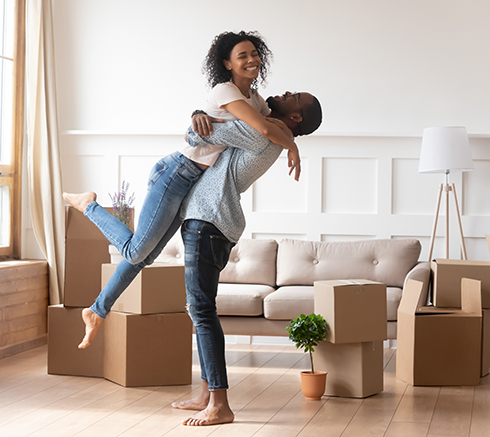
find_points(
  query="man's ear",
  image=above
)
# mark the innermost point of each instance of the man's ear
(296, 117)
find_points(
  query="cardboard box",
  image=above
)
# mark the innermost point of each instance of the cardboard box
(447, 275)
(86, 250)
(355, 310)
(437, 346)
(354, 369)
(158, 288)
(65, 332)
(148, 350)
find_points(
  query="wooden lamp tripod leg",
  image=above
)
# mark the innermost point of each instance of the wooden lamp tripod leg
(463, 247)
(434, 226)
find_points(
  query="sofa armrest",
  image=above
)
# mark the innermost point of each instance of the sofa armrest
(421, 272)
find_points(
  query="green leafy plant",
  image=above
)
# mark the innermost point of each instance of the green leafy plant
(307, 332)
(122, 204)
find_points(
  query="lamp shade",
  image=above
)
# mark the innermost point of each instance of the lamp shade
(445, 149)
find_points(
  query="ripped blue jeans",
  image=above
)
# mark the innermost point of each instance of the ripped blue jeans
(170, 180)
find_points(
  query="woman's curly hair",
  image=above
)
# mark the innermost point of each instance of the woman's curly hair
(220, 49)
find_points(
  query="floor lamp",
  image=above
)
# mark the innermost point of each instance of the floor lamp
(445, 150)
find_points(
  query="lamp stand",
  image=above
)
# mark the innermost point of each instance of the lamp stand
(447, 188)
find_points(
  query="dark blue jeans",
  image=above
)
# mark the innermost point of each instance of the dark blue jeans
(206, 253)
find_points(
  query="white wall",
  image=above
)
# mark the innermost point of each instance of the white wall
(128, 75)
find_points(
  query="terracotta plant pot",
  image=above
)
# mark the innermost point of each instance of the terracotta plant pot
(313, 384)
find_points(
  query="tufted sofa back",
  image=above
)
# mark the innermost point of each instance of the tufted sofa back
(386, 261)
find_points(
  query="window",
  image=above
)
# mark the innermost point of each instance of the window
(12, 53)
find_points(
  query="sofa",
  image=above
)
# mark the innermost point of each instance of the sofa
(265, 283)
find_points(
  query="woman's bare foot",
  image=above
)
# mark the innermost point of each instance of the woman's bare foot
(216, 413)
(198, 403)
(80, 201)
(92, 324)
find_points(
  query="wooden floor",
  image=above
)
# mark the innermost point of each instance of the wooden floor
(265, 395)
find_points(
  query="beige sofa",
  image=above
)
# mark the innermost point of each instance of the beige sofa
(265, 284)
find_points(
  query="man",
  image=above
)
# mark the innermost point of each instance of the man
(213, 223)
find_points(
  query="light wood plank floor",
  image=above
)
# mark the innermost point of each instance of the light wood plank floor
(265, 395)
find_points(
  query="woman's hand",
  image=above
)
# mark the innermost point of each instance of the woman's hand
(282, 125)
(294, 163)
(203, 124)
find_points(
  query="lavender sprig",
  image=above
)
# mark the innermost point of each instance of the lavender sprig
(121, 206)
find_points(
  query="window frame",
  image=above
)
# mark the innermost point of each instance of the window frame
(11, 174)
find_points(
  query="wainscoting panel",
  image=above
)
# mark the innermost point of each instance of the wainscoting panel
(276, 191)
(349, 186)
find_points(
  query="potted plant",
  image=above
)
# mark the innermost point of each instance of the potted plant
(306, 332)
(122, 209)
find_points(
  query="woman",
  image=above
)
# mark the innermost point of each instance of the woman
(233, 66)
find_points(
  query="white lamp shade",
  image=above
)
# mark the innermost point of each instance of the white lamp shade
(445, 149)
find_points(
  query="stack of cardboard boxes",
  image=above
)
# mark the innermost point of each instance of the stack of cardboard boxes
(146, 339)
(352, 355)
(447, 343)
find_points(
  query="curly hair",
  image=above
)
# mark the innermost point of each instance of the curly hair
(221, 48)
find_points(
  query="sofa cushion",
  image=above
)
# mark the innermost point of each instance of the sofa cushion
(393, 298)
(251, 262)
(173, 252)
(241, 299)
(387, 261)
(288, 302)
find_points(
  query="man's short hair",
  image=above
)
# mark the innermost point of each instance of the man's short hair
(312, 118)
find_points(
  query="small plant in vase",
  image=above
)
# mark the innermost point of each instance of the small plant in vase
(122, 209)
(306, 332)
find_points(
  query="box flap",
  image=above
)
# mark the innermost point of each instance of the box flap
(411, 297)
(471, 296)
(457, 262)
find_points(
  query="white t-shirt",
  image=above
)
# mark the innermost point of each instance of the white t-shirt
(221, 95)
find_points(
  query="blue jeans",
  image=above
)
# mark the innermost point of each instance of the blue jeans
(206, 253)
(170, 180)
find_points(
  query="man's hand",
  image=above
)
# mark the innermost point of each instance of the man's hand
(294, 163)
(203, 124)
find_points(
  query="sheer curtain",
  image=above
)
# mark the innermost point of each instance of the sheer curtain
(44, 168)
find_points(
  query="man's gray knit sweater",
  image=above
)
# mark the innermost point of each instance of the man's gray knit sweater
(216, 196)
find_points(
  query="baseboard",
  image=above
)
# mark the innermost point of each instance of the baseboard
(21, 347)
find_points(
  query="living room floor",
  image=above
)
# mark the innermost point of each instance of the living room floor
(265, 394)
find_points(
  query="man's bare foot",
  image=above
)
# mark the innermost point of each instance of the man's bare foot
(217, 411)
(92, 324)
(80, 201)
(210, 416)
(198, 403)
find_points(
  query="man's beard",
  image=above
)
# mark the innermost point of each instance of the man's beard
(274, 105)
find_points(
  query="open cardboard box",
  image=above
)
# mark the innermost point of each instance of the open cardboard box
(354, 369)
(158, 288)
(440, 346)
(355, 309)
(446, 283)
